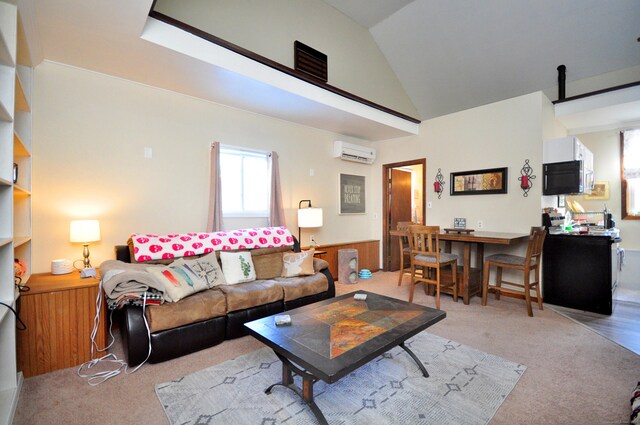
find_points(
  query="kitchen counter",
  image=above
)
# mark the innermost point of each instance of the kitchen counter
(580, 271)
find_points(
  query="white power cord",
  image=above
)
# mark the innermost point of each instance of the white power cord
(98, 378)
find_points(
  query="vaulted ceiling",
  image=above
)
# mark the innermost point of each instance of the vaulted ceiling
(457, 54)
(448, 55)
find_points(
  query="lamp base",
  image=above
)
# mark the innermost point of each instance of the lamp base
(85, 253)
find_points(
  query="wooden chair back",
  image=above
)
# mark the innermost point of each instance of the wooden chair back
(424, 240)
(534, 247)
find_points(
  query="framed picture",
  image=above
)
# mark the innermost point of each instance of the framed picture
(352, 194)
(479, 182)
(600, 191)
(459, 223)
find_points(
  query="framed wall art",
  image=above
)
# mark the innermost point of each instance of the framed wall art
(352, 194)
(479, 182)
(600, 191)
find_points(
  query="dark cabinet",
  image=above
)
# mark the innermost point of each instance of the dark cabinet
(579, 272)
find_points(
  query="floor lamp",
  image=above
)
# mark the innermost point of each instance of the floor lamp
(308, 217)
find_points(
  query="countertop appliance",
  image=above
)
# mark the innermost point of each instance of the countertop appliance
(567, 167)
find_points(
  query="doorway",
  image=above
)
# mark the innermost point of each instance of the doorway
(403, 200)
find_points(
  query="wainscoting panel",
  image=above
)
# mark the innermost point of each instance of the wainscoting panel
(368, 255)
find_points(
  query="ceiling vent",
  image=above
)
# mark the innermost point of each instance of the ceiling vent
(310, 61)
(356, 153)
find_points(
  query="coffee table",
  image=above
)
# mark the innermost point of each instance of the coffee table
(329, 339)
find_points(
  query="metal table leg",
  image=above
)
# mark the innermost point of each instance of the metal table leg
(415, 359)
(306, 394)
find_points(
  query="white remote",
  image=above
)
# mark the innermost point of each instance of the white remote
(360, 297)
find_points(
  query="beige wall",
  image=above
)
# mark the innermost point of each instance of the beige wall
(269, 28)
(605, 146)
(89, 135)
(501, 134)
(90, 131)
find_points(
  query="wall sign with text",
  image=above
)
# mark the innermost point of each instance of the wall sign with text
(352, 194)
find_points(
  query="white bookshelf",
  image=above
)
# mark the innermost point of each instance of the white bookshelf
(15, 197)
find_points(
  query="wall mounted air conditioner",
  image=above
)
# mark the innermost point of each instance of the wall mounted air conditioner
(351, 152)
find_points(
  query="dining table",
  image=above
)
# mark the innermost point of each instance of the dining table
(470, 278)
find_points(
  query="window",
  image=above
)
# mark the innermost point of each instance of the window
(245, 182)
(630, 166)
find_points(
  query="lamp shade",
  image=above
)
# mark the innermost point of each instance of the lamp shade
(84, 231)
(310, 217)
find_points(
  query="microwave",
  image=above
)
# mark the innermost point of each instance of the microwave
(563, 178)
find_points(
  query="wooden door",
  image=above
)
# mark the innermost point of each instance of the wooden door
(399, 210)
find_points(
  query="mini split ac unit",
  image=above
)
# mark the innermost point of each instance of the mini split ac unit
(351, 152)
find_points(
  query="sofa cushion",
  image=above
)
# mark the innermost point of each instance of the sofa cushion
(195, 308)
(267, 266)
(237, 267)
(207, 269)
(297, 263)
(179, 281)
(251, 294)
(302, 286)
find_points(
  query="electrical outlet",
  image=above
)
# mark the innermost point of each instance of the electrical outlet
(480, 224)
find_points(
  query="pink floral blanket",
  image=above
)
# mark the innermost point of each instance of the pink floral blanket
(152, 247)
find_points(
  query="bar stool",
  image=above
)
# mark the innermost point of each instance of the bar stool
(527, 264)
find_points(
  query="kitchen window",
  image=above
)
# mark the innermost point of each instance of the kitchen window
(630, 170)
(245, 183)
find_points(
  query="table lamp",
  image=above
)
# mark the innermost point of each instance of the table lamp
(308, 217)
(85, 231)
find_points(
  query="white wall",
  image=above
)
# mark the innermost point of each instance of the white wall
(89, 135)
(269, 28)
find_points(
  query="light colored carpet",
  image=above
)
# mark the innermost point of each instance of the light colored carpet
(465, 387)
(574, 376)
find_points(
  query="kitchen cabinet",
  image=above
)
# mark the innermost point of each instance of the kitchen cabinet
(580, 272)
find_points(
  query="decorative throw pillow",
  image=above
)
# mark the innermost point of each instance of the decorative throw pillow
(297, 263)
(179, 281)
(237, 267)
(267, 266)
(206, 268)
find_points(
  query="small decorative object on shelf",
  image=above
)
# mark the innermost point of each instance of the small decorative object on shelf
(19, 268)
(526, 177)
(438, 185)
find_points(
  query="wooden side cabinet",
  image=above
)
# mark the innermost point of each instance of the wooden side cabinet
(59, 312)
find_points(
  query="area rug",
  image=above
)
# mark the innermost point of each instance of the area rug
(466, 386)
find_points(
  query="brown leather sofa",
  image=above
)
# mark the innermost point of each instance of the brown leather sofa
(207, 318)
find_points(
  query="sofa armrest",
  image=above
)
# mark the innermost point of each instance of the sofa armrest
(331, 290)
(135, 338)
(319, 264)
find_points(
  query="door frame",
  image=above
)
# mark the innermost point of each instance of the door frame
(385, 201)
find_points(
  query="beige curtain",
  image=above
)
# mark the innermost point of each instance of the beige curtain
(214, 222)
(276, 210)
